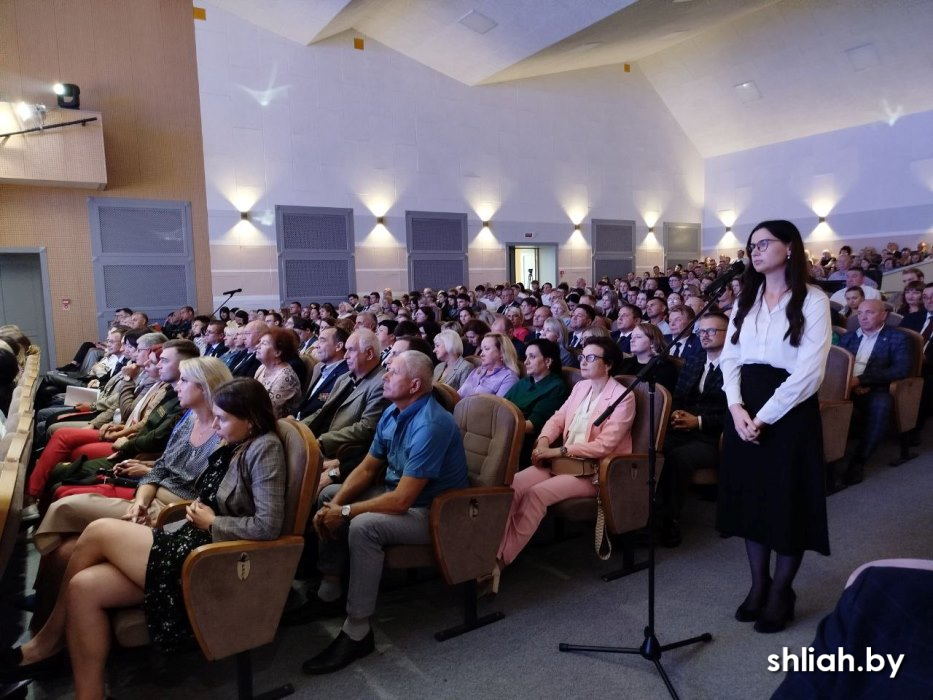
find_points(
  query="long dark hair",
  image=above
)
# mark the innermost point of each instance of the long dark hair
(796, 273)
(246, 398)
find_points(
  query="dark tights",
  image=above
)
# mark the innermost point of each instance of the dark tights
(766, 591)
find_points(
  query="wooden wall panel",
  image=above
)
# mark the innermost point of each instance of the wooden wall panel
(136, 64)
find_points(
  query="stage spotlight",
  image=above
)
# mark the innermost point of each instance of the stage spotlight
(69, 95)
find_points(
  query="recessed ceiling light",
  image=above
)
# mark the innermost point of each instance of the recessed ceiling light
(748, 91)
(478, 22)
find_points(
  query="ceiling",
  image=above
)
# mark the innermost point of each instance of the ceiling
(736, 74)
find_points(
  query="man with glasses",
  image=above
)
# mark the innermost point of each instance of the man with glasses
(692, 440)
(214, 339)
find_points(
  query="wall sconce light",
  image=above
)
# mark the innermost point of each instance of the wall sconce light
(651, 229)
(69, 95)
(822, 219)
(576, 227)
(728, 229)
(244, 216)
(381, 220)
(485, 224)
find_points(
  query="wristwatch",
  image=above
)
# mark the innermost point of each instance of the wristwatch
(563, 450)
(334, 475)
(345, 513)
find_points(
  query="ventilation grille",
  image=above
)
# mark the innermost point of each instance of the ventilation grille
(436, 273)
(437, 234)
(145, 286)
(613, 236)
(304, 231)
(612, 268)
(317, 279)
(681, 239)
(137, 230)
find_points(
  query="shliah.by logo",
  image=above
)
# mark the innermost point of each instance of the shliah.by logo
(809, 660)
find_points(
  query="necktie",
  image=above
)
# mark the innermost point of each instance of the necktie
(677, 345)
(927, 329)
(709, 369)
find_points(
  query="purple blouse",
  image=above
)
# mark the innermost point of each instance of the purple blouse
(480, 381)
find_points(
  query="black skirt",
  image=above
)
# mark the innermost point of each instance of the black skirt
(775, 492)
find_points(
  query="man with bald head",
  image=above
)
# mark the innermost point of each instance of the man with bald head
(417, 446)
(247, 365)
(882, 355)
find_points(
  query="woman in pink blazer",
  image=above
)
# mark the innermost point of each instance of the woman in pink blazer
(570, 432)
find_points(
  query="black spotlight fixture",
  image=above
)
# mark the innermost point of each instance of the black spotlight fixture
(69, 95)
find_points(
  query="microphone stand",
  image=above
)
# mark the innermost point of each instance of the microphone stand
(652, 649)
(224, 302)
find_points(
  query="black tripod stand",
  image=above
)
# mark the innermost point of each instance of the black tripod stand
(652, 649)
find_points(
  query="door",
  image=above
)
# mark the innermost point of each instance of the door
(22, 298)
(532, 262)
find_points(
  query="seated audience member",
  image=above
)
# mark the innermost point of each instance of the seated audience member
(247, 364)
(54, 384)
(645, 342)
(277, 346)
(690, 345)
(855, 277)
(854, 297)
(503, 326)
(912, 299)
(885, 607)
(348, 417)
(307, 336)
(922, 323)
(473, 333)
(146, 429)
(9, 372)
(540, 315)
(385, 332)
(581, 318)
(428, 331)
(138, 320)
(272, 319)
(329, 351)
(417, 446)
(451, 369)
(178, 323)
(656, 309)
(214, 339)
(515, 315)
(699, 408)
(498, 370)
(725, 300)
(570, 432)
(555, 331)
(539, 393)
(628, 317)
(882, 354)
(118, 564)
(235, 340)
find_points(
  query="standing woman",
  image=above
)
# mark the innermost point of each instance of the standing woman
(771, 479)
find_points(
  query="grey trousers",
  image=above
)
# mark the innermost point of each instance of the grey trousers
(362, 543)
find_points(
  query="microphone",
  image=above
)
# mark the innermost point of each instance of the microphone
(720, 283)
(233, 291)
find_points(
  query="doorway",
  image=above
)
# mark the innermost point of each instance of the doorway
(532, 262)
(23, 298)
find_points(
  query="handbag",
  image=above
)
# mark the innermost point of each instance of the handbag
(574, 466)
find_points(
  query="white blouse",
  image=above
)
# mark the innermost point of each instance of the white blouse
(762, 341)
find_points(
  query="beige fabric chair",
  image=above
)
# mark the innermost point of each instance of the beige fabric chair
(835, 403)
(623, 480)
(235, 591)
(446, 395)
(571, 376)
(907, 394)
(309, 363)
(467, 525)
(473, 360)
(12, 480)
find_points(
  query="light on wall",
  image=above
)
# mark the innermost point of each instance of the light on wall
(728, 229)
(822, 219)
(69, 95)
(381, 220)
(576, 227)
(651, 229)
(244, 216)
(486, 224)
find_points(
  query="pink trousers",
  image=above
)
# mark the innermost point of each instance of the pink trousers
(64, 446)
(536, 489)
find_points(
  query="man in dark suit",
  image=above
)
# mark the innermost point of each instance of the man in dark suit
(692, 440)
(214, 339)
(331, 365)
(247, 365)
(882, 355)
(629, 317)
(689, 345)
(922, 322)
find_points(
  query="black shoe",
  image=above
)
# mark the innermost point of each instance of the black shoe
(747, 612)
(341, 652)
(314, 609)
(770, 622)
(670, 534)
(834, 484)
(855, 474)
(13, 669)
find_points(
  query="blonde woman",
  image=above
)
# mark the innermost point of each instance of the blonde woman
(499, 370)
(452, 369)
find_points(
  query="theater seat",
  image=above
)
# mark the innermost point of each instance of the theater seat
(835, 403)
(907, 394)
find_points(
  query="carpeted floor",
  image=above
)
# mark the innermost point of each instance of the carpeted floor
(553, 594)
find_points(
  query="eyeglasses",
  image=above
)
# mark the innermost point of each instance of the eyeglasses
(591, 358)
(710, 331)
(761, 245)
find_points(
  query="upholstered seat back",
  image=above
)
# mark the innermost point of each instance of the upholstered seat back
(488, 425)
(839, 364)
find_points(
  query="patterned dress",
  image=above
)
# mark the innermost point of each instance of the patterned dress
(164, 603)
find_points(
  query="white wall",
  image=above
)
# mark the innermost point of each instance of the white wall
(327, 125)
(873, 184)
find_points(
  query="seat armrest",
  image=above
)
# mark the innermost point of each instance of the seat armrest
(172, 513)
(235, 592)
(467, 526)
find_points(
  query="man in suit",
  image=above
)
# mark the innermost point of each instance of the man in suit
(247, 365)
(629, 317)
(307, 335)
(581, 318)
(882, 355)
(330, 350)
(692, 440)
(689, 345)
(922, 322)
(349, 415)
(856, 278)
(540, 315)
(214, 339)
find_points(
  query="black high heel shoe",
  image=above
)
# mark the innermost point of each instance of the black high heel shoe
(746, 613)
(768, 624)
(12, 667)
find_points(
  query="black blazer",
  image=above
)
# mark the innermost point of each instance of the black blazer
(215, 351)
(692, 346)
(314, 401)
(667, 373)
(709, 404)
(247, 366)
